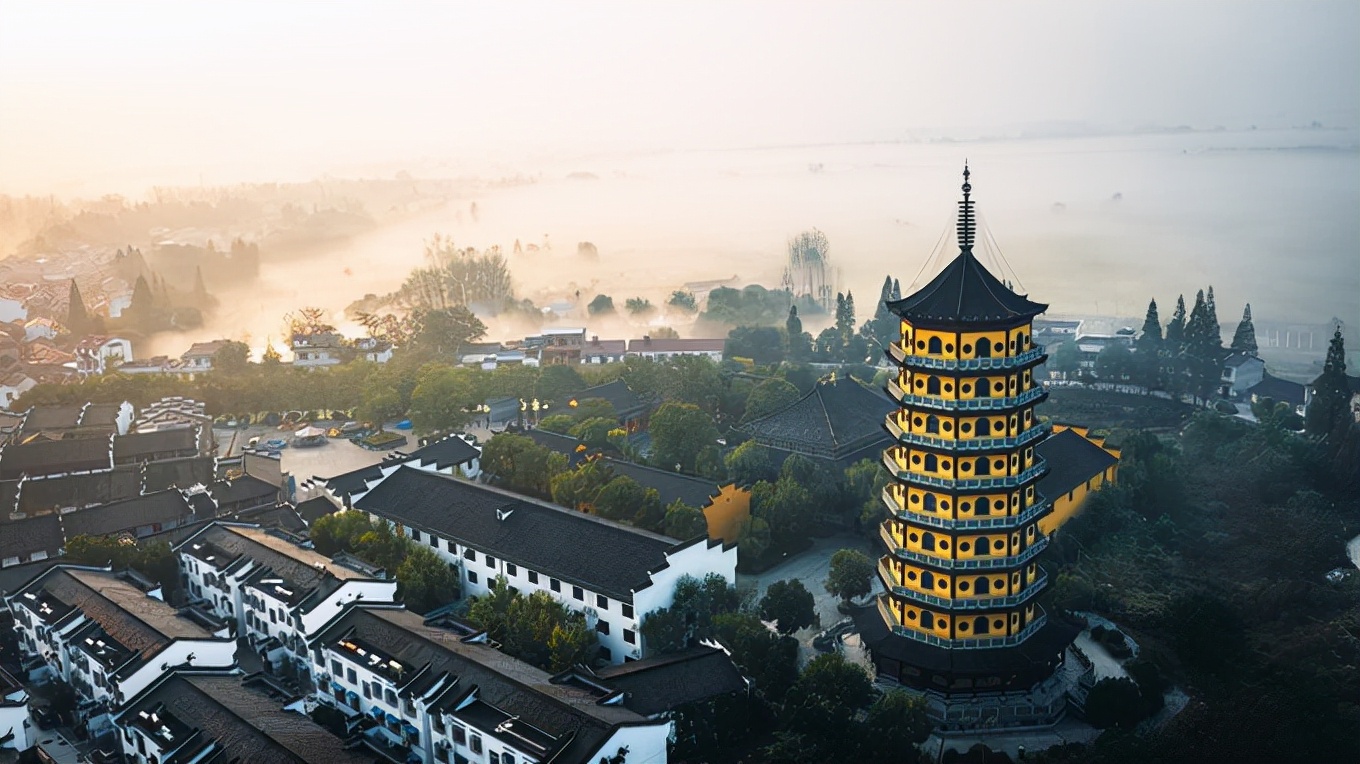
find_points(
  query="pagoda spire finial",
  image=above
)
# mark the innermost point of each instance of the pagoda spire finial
(967, 222)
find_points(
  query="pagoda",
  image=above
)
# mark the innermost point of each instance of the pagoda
(960, 619)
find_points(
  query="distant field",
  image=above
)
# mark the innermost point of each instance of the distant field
(1099, 409)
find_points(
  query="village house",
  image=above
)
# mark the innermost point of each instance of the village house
(41, 328)
(99, 354)
(319, 349)
(199, 357)
(373, 350)
(1240, 373)
(597, 350)
(660, 349)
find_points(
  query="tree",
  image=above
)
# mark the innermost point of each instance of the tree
(751, 463)
(768, 397)
(1114, 703)
(580, 488)
(788, 508)
(894, 726)
(789, 605)
(620, 498)
(438, 333)
(558, 381)
(339, 531)
(602, 305)
(442, 399)
(709, 464)
(558, 423)
(639, 306)
(381, 404)
(425, 581)
(1115, 363)
(1067, 357)
(825, 700)
(1331, 399)
(764, 345)
(536, 629)
(1244, 339)
(884, 328)
(679, 432)
(521, 465)
(798, 342)
(684, 522)
(78, 321)
(232, 358)
(594, 432)
(1175, 330)
(683, 301)
(1213, 328)
(851, 574)
(769, 660)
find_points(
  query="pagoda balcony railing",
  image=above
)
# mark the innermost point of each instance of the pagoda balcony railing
(988, 562)
(1033, 434)
(974, 523)
(966, 404)
(963, 644)
(985, 483)
(898, 354)
(985, 602)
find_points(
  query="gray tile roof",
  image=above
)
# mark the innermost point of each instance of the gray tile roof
(1072, 460)
(447, 452)
(48, 457)
(247, 726)
(965, 291)
(664, 683)
(21, 538)
(163, 508)
(833, 421)
(671, 486)
(603, 556)
(145, 445)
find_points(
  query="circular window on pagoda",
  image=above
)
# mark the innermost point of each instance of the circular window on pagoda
(948, 387)
(998, 426)
(949, 347)
(999, 504)
(964, 546)
(965, 505)
(963, 626)
(918, 421)
(911, 575)
(966, 388)
(920, 345)
(915, 498)
(966, 428)
(920, 383)
(998, 387)
(947, 425)
(944, 464)
(967, 349)
(941, 584)
(944, 544)
(999, 347)
(998, 624)
(914, 538)
(996, 544)
(911, 615)
(945, 505)
(916, 459)
(966, 467)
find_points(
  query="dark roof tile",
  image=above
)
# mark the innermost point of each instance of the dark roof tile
(1072, 460)
(965, 291)
(835, 420)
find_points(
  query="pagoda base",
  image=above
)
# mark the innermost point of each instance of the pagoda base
(1019, 686)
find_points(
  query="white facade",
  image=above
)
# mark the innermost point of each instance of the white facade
(12, 310)
(101, 357)
(616, 621)
(13, 386)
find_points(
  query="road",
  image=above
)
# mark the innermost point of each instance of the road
(811, 568)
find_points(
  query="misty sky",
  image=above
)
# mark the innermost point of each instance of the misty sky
(103, 93)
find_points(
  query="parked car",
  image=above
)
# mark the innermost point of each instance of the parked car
(276, 444)
(350, 428)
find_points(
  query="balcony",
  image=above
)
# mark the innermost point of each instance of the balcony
(1032, 435)
(978, 523)
(964, 603)
(962, 644)
(969, 404)
(904, 358)
(965, 484)
(989, 562)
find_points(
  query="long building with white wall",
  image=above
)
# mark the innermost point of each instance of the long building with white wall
(615, 574)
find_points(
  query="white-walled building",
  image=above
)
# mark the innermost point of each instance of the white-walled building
(661, 349)
(614, 574)
(319, 349)
(373, 350)
(276, 593)
(439, 698)
(20, 733)
(107, 638)
(97, 355)
(453, 455)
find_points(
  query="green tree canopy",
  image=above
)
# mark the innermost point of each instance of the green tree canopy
(1244, 339)
(601, 305)
(679, 432)
(1330, 404)
(789, 605)
(851, 574)
(768, 397)
(536, 629)
(424, 581)
(751, 463)
(684, 522)
(683, 301)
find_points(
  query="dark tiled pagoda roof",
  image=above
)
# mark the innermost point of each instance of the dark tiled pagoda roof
(965, 291)
(181, 473)
(75, 491)
(230, 722)
(837, 420)
(606, 557)
(1072, 460)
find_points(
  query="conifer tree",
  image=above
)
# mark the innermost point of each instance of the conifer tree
(1215, 330)
(200, 290)
(1175, 331)
(897, 290)
(77, 319)
(1244, 339)
(143, 301)
(1148, 361)
(849, 330)
(799, 347)
(1331, 391)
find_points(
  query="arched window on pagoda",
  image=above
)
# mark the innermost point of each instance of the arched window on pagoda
(984, 388)
(934, 347)
(928, 542)
(983, 585)
(932, 462)
(927, 619)
(930, 502)
(928, 581)
(984, 348)
(982, 624)
(933, 386)
(984, 466)
(932, 421)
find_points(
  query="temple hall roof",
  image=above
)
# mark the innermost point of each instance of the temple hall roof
(837, 419)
